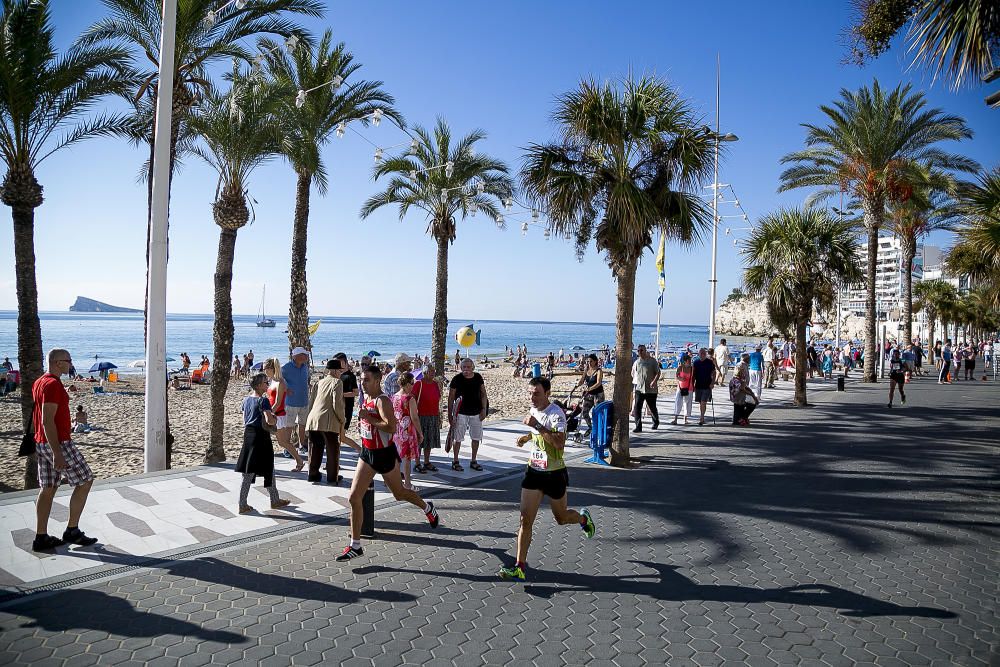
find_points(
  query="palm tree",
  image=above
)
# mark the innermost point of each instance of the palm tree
(203, 38)
(332, 103)
(911, 221)
(46, 100)
(958, 38)
(931, 296)
(977, 252)
(796, 258)
(239, 132)
(631, 155)
(447, 181)
(873, 149)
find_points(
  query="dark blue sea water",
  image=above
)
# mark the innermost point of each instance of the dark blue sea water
(117, 337)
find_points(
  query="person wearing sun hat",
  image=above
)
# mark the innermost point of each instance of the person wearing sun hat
(403, 364)
(296, 376)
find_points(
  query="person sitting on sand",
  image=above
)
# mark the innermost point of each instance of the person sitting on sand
(80, 424)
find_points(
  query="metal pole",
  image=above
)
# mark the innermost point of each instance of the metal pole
(156, 289)
(715, 207)
(656, 348)
(840, 287)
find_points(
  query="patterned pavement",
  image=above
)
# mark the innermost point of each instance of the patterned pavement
(841, 534)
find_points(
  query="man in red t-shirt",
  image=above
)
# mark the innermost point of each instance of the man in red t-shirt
(58, 458)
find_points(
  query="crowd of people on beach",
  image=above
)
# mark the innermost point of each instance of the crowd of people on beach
(402, 408)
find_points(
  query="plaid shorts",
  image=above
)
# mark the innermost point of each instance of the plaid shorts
(77, 471)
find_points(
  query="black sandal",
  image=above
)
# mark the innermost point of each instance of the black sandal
(430, 467)
(420, 468)
(475, 466)
(457, 466)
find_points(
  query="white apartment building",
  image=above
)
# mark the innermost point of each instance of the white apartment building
(888, 280)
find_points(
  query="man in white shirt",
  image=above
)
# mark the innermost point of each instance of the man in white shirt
(722, 359)
(769, 372)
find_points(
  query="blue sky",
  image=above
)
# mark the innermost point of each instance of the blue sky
(498, 67)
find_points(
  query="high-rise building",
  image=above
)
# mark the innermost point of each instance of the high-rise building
(888, 281)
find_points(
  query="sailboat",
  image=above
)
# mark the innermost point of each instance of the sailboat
(263, 321)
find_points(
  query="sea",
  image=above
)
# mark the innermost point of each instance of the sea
(118, 338)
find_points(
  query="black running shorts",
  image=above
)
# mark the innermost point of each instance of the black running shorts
(552, 484)
(382, 460)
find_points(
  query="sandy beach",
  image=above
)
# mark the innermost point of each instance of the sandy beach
(115, 445)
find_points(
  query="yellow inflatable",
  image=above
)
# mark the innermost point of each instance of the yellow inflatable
(467, 336)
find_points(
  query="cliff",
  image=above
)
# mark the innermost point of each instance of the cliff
(85, 305)
(744, 316)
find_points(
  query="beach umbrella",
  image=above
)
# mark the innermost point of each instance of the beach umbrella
(258, 366)
(578, 347)
(138, 363)
(373, 353)
(101, 366)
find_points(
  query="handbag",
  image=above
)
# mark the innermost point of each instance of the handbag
(28, 446)
(685, 391)
(270, 428)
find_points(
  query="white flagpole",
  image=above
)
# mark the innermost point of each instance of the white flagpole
(156, 329)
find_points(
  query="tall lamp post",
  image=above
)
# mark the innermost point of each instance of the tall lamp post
(840, 288)
(156, 290)
(719, 138)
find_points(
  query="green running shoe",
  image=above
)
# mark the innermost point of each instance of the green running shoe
(512, 573)
(589, 528)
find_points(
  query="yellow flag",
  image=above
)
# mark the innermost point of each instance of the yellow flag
(314, 326)
(659, 265)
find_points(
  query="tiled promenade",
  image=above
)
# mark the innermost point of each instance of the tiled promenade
(840, 534)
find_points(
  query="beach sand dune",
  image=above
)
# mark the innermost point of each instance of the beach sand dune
(115, 447)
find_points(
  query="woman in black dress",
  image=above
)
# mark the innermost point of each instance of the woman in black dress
(257, 455)
(593, 387)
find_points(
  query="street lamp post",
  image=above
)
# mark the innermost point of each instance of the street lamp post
(719, 138)
(840, 287)
(155, 446)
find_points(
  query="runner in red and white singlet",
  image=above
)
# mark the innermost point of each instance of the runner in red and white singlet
(377, 423)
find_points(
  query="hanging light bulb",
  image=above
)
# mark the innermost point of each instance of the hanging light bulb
(241, 4)
(508, 203)
(737, 202)
(499, 218)
(449, 169)
(444, 196)
(524, 229)
(473, 209)
(341, 129)
(534, 215)
(258, 60)
(547, 234)
(300, 99)
(728, 231)
(211, 18)
(470, 152)
(413, 147)
(481, 187)
(376, 117)
(291, 42)
(413, 174)
(337, 82)
(746, 219)
(378, 154)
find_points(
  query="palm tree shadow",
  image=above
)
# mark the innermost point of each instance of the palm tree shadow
(667, 584)
(83, 609)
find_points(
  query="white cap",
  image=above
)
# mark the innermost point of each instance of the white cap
(403, 358)
(299, 350)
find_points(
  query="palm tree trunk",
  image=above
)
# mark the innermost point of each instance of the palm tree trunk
(909, 252)
(931, 317)
(801, 356)
(298, 303)
(29, 329)
(622, 396)
(222, 332)
(871, 350)
(439, 327)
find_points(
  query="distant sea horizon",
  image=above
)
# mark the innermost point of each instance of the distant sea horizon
(90, 339)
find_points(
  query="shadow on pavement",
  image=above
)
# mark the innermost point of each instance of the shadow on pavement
(670, 585)
(215, 571)
(82, 609)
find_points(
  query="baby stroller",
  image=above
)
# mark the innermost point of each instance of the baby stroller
(573, 411)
